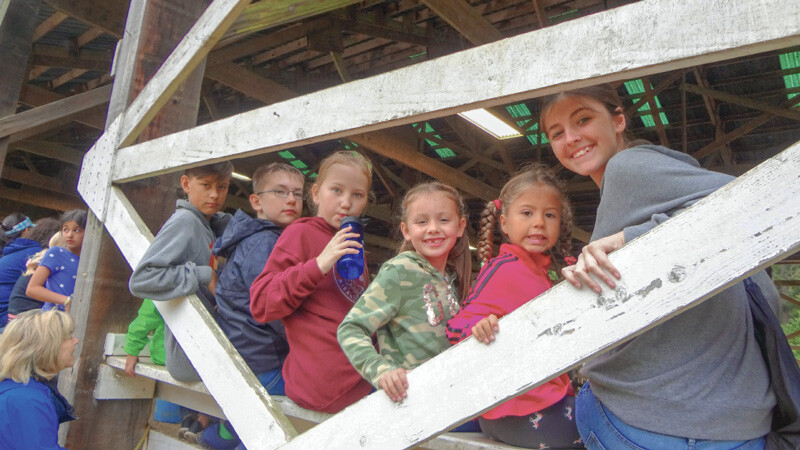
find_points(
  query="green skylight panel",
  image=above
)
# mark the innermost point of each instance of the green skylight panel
(299, 164)
(286, 154)
(443, 152)
(637, 87)
(790, 61)
(521, 110)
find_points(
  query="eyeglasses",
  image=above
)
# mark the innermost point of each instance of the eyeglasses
(283, 193)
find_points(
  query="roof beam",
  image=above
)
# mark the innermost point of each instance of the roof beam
(249, 83)
(400, 145)
(745, 128)
(34, 96)
(743, 101)
(258, 44)
(42, 198)
(389, 29)
(48, 25)
(466, 20)
(50, 150)
(108, 15)
(63, 185)
(263, 15)
(51, 112)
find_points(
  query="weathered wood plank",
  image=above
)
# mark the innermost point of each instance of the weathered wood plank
(66, 107)
(191, 50)
(465, 19)
(42, 198)
(16, 30)
(757, 224)
(263, 15)
(489, 75)
(51, 150)
(113, 384)
(249, 83)
(35, 96)
(106, 14)
(396, 145)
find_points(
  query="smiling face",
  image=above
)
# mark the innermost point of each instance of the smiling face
(72, 234)
(533, 219)
(584, 135)
(432, 226)
(206, 193)
(66, 357)
(268, 204)
(343, 192)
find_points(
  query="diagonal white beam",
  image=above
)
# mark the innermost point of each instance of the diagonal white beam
(607, 46)
(259, 421)
(192, 49)
(756, 221)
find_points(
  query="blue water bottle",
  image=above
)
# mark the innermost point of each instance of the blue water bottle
(351, 266)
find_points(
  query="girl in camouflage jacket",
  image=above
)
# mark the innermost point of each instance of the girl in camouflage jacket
(414, 294)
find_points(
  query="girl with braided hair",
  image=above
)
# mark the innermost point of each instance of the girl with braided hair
(536, 219)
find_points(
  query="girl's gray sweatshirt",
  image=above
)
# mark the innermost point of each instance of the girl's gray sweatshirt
(700, 374)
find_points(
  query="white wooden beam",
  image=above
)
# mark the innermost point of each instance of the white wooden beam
(192, 49)
(756, 219)
(680, 34)
(259, 422)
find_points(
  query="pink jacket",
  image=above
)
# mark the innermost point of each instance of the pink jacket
(505, 283)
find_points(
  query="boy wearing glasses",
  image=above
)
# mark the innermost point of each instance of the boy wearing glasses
(246, 244)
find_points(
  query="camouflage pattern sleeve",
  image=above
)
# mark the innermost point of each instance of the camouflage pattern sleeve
(372, 311)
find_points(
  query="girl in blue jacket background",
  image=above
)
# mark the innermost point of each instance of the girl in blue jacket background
(34, 348)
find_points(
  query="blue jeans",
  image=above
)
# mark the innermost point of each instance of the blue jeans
(273, 382)
(600, 430)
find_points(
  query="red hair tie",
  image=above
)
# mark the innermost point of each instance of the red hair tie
(498, 204)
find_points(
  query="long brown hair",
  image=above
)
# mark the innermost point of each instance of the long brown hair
(606, 94)
(459, 257)
(527, 177)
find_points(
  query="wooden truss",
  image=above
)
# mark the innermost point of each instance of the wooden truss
(751, 223)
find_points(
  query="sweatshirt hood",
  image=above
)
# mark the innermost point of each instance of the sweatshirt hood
(317, 222)
(217, 223)
(20, 244)
(239, 228)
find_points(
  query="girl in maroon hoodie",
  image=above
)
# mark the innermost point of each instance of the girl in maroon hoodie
(535, 217)
(299, 287)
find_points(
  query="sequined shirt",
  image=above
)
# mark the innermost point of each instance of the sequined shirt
(408, 304)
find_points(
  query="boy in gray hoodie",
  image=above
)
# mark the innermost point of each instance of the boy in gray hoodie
(178, 261)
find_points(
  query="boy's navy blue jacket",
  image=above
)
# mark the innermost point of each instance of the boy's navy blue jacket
(12, 265)
(247, 243)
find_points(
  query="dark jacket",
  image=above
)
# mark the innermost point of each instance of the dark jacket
(30, 414)
(18, 302)
(12, 265)
(246, 244)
